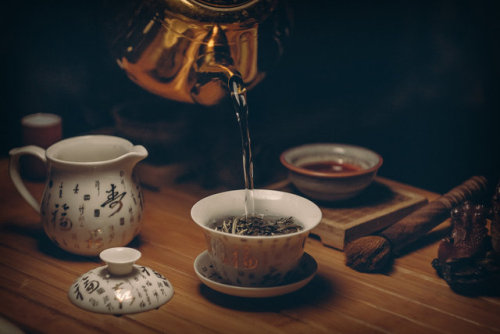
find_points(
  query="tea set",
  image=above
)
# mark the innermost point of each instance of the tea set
(93, 204)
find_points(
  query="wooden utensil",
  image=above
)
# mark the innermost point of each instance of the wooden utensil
(374, 253)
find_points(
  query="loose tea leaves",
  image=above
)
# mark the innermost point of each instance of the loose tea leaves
(257, 225)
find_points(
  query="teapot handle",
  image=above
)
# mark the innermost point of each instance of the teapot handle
(15, 175)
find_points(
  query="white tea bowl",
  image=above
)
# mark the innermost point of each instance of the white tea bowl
(255, 260)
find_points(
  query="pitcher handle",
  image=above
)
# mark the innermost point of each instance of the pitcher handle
(15, 174)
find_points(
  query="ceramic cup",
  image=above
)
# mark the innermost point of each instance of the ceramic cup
(332, 184)
(255, 260)
(43, 130)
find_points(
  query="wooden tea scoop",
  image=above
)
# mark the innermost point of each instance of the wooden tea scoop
(374, 253)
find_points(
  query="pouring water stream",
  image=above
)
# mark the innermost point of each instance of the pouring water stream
(238, 95)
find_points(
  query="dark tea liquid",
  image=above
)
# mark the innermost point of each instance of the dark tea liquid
(239, 97)
(331, 167)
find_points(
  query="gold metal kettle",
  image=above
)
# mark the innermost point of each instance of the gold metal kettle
(186, 50)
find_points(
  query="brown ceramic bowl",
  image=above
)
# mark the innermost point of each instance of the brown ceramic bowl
(330, 171)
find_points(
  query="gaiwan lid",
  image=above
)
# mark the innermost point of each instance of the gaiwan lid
(121, 286)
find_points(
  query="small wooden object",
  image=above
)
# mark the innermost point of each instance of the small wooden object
(380, 205)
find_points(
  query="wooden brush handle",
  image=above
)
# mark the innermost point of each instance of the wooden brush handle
(421, 221)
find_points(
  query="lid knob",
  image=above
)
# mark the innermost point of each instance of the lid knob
(120, 260)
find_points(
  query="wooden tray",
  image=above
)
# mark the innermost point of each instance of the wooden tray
(380, 205)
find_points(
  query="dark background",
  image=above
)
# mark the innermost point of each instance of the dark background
(416, 81)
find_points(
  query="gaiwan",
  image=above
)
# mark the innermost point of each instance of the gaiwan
(92, 198)
(260, 260)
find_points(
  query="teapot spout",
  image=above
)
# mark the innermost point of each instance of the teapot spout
(136, 154)
(214, 67)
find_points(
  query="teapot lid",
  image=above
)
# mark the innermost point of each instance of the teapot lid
(225, 4)
(120, 287)
(222, 11)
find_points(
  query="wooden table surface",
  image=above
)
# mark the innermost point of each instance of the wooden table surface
(35, 277)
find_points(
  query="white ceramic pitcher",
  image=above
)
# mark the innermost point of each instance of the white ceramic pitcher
(92, 199)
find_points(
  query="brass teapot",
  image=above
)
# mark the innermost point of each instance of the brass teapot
(186, 50)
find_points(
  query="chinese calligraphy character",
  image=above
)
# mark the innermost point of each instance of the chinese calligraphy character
(64, 222)
(114, 199)
(90, 286)
(77, 292)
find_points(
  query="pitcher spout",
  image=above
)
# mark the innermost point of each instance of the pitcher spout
(136, 154)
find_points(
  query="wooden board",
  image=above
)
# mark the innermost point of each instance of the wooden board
(383, 203)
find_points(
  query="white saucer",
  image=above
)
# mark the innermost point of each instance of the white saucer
(305, 272)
